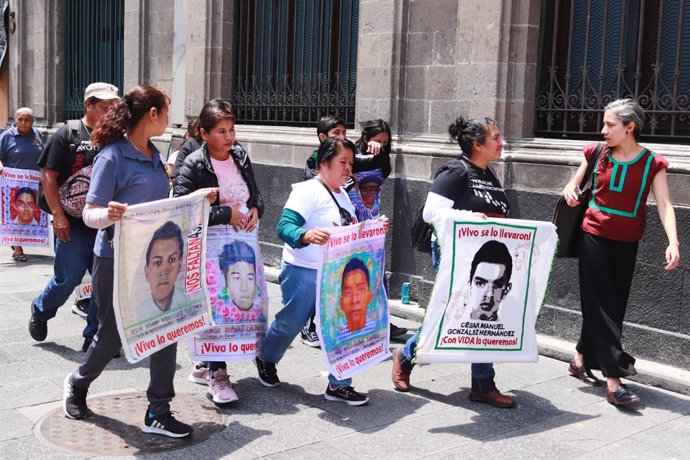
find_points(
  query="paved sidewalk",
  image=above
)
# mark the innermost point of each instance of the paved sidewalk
(556, 417)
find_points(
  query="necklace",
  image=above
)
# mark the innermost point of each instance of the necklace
(135, 145)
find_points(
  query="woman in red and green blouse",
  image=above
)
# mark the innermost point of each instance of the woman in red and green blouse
(613, 225)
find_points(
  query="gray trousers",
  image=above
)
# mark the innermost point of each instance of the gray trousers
(107, 343)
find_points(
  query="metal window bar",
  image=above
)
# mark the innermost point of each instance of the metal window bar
(296, 61)
(94, 48)
(595, 51)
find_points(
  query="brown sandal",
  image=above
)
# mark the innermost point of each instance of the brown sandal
(584, 374)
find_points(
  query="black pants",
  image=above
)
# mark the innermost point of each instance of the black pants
(107, 342)
(606, 272)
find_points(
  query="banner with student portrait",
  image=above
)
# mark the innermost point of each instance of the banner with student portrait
(238, 295)
(489, 288)
(351, 301)
(22, 223)
(159, 293)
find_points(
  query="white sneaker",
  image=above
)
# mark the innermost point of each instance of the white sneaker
(199, 374)
(220, 388)
(81, 308)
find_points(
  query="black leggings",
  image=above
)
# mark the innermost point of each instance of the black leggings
(107, 342)
(606, 272)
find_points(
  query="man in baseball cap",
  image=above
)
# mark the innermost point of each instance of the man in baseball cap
(102, 91)
(69, 150)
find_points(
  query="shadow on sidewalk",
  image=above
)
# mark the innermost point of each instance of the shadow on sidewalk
(650, 398)
(77, 356)
(488, 421)
(34, 260)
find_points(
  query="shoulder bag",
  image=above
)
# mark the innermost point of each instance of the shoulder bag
(568, 220)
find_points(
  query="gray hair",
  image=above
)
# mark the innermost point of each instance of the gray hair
(628, 111)
(22, 110)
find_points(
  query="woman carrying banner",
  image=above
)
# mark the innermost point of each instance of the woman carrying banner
(20, 148)
(312, 207)
(613, 224)
(127, 171)
(223, 163)
(466, 183)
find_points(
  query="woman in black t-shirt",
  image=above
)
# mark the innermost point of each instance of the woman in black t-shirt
(465, 183)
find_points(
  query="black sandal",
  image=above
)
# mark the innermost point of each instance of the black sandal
(19, 257)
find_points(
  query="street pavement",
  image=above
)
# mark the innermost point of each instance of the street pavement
(556, 416)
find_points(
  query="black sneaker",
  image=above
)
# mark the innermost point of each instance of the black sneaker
(74, 400)
(309, 337)
(268, 375)
(397, 332)
(166, 425)
(348, 395)
(38, 328)
(81, 308)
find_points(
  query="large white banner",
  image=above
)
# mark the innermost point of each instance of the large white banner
(22, 223)
(160, 294)
(352, 306)
(238, 295)
(489, 288)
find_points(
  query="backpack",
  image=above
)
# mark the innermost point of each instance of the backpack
(72, 193)
(421, 231)
(74, 136)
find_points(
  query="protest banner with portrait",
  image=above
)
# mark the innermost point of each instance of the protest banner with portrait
(22, 223)
(489, 288)
(238, 295)
(160, 294)
(352, 305)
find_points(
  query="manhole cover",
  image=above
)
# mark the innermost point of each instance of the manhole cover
(114, 429)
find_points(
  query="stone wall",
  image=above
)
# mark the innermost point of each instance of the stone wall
(35, 58)
(422, 63)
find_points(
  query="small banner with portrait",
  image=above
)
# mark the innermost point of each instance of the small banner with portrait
(160, 294)
(352, 305)
(238, 294)
(22, 223)
(489, 288)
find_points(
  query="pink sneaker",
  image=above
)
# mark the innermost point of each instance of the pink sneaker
(199, 374)
(220, 388)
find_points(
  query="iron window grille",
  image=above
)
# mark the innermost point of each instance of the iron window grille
(295, 61)
(595, 51)
(94, 51)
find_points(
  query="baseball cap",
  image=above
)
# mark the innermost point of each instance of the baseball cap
(101, 91)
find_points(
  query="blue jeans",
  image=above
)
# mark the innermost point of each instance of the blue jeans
(480, 371)
(72, 260)
(298, 286)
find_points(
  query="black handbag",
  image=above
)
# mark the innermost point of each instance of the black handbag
(568, 220)
(420, 233)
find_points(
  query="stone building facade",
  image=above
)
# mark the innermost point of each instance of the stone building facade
(420, 64)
